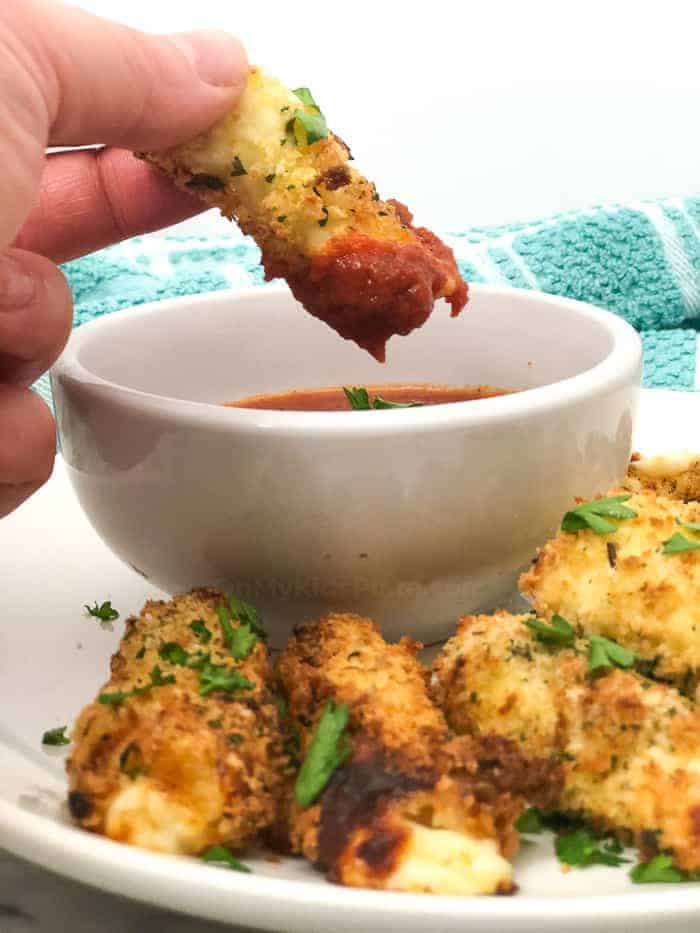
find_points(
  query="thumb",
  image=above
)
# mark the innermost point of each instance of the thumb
(69, 78)
(102, 82)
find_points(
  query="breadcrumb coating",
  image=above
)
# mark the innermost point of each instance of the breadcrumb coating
(629, 747)
(624, 587)
(168, 768)
(410, 809)
(351, 258)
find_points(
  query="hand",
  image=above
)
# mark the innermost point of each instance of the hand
(68, 79)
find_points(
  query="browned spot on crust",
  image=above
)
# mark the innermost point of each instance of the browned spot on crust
(694, 814)
(356, 795)
(80, 805)
(334, 178)
(382, 849)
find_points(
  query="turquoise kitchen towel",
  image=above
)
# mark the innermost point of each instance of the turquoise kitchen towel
(640, 260)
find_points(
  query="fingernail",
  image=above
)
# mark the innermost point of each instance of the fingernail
(218, 58)
(17, 286)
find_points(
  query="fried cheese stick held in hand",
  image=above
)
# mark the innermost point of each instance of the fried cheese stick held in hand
(629, 747)
(352, 259)
(181, 750)
(383, 799)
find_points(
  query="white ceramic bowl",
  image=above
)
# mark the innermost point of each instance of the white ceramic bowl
(410, 516)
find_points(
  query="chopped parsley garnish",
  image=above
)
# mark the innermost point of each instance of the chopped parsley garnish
(237, 167)
(174, 653)
(201, 631)
(55, 736)
(242, 642)
(691, 526)
(582, 849)
(131, 761)
(281, 218)
(247, 614)
(309, 125)
(140, 653)
(679, 544)
(118, 697)
(206, 181)
(595, 515)
(105, 612)
(220, 855)
(217, 677)
(606, 653)
(324, 220)
(305, 96)
(359, 400)
(270, 178)
(235, 738)
(560, 632)
(242, 639)
(328, 750)
(530, 821)
(661, 870)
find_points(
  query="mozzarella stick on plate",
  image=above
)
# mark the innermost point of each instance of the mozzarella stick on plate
(181, 750)
(383, 799)
(629, 747)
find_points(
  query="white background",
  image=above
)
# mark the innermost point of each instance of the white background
(484, 111)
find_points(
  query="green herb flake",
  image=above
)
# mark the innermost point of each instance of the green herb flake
(306, 97)
(606, 653)
(582, 849)
(679, 544)
(242, 642)
(140, 653)
(201, 631)
(220, 855)
(131, 761)
(235, 738)
(55, 736)
(308, 128)
(560, 632)
(237, 167)
(595, 515)
(324, 219)
(359, 400)
(281, 218)
(217, 677)
(691, 526)
(105, 612)
(247, 614)
(328, 750)
(118, 697)
(215, 723)
(530, 821)
(379, 402)
(661, 870)
(270, 178)
(174, 653)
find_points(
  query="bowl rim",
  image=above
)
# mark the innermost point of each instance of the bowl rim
(620, 368)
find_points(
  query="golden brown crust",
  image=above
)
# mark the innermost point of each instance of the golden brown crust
(170, 769)
(352, 259)
(643, 598)
(628, 746)
(404, 770)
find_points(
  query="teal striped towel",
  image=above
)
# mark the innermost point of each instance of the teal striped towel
(640, 260)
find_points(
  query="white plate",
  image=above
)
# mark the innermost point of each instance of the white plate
(52, 659)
